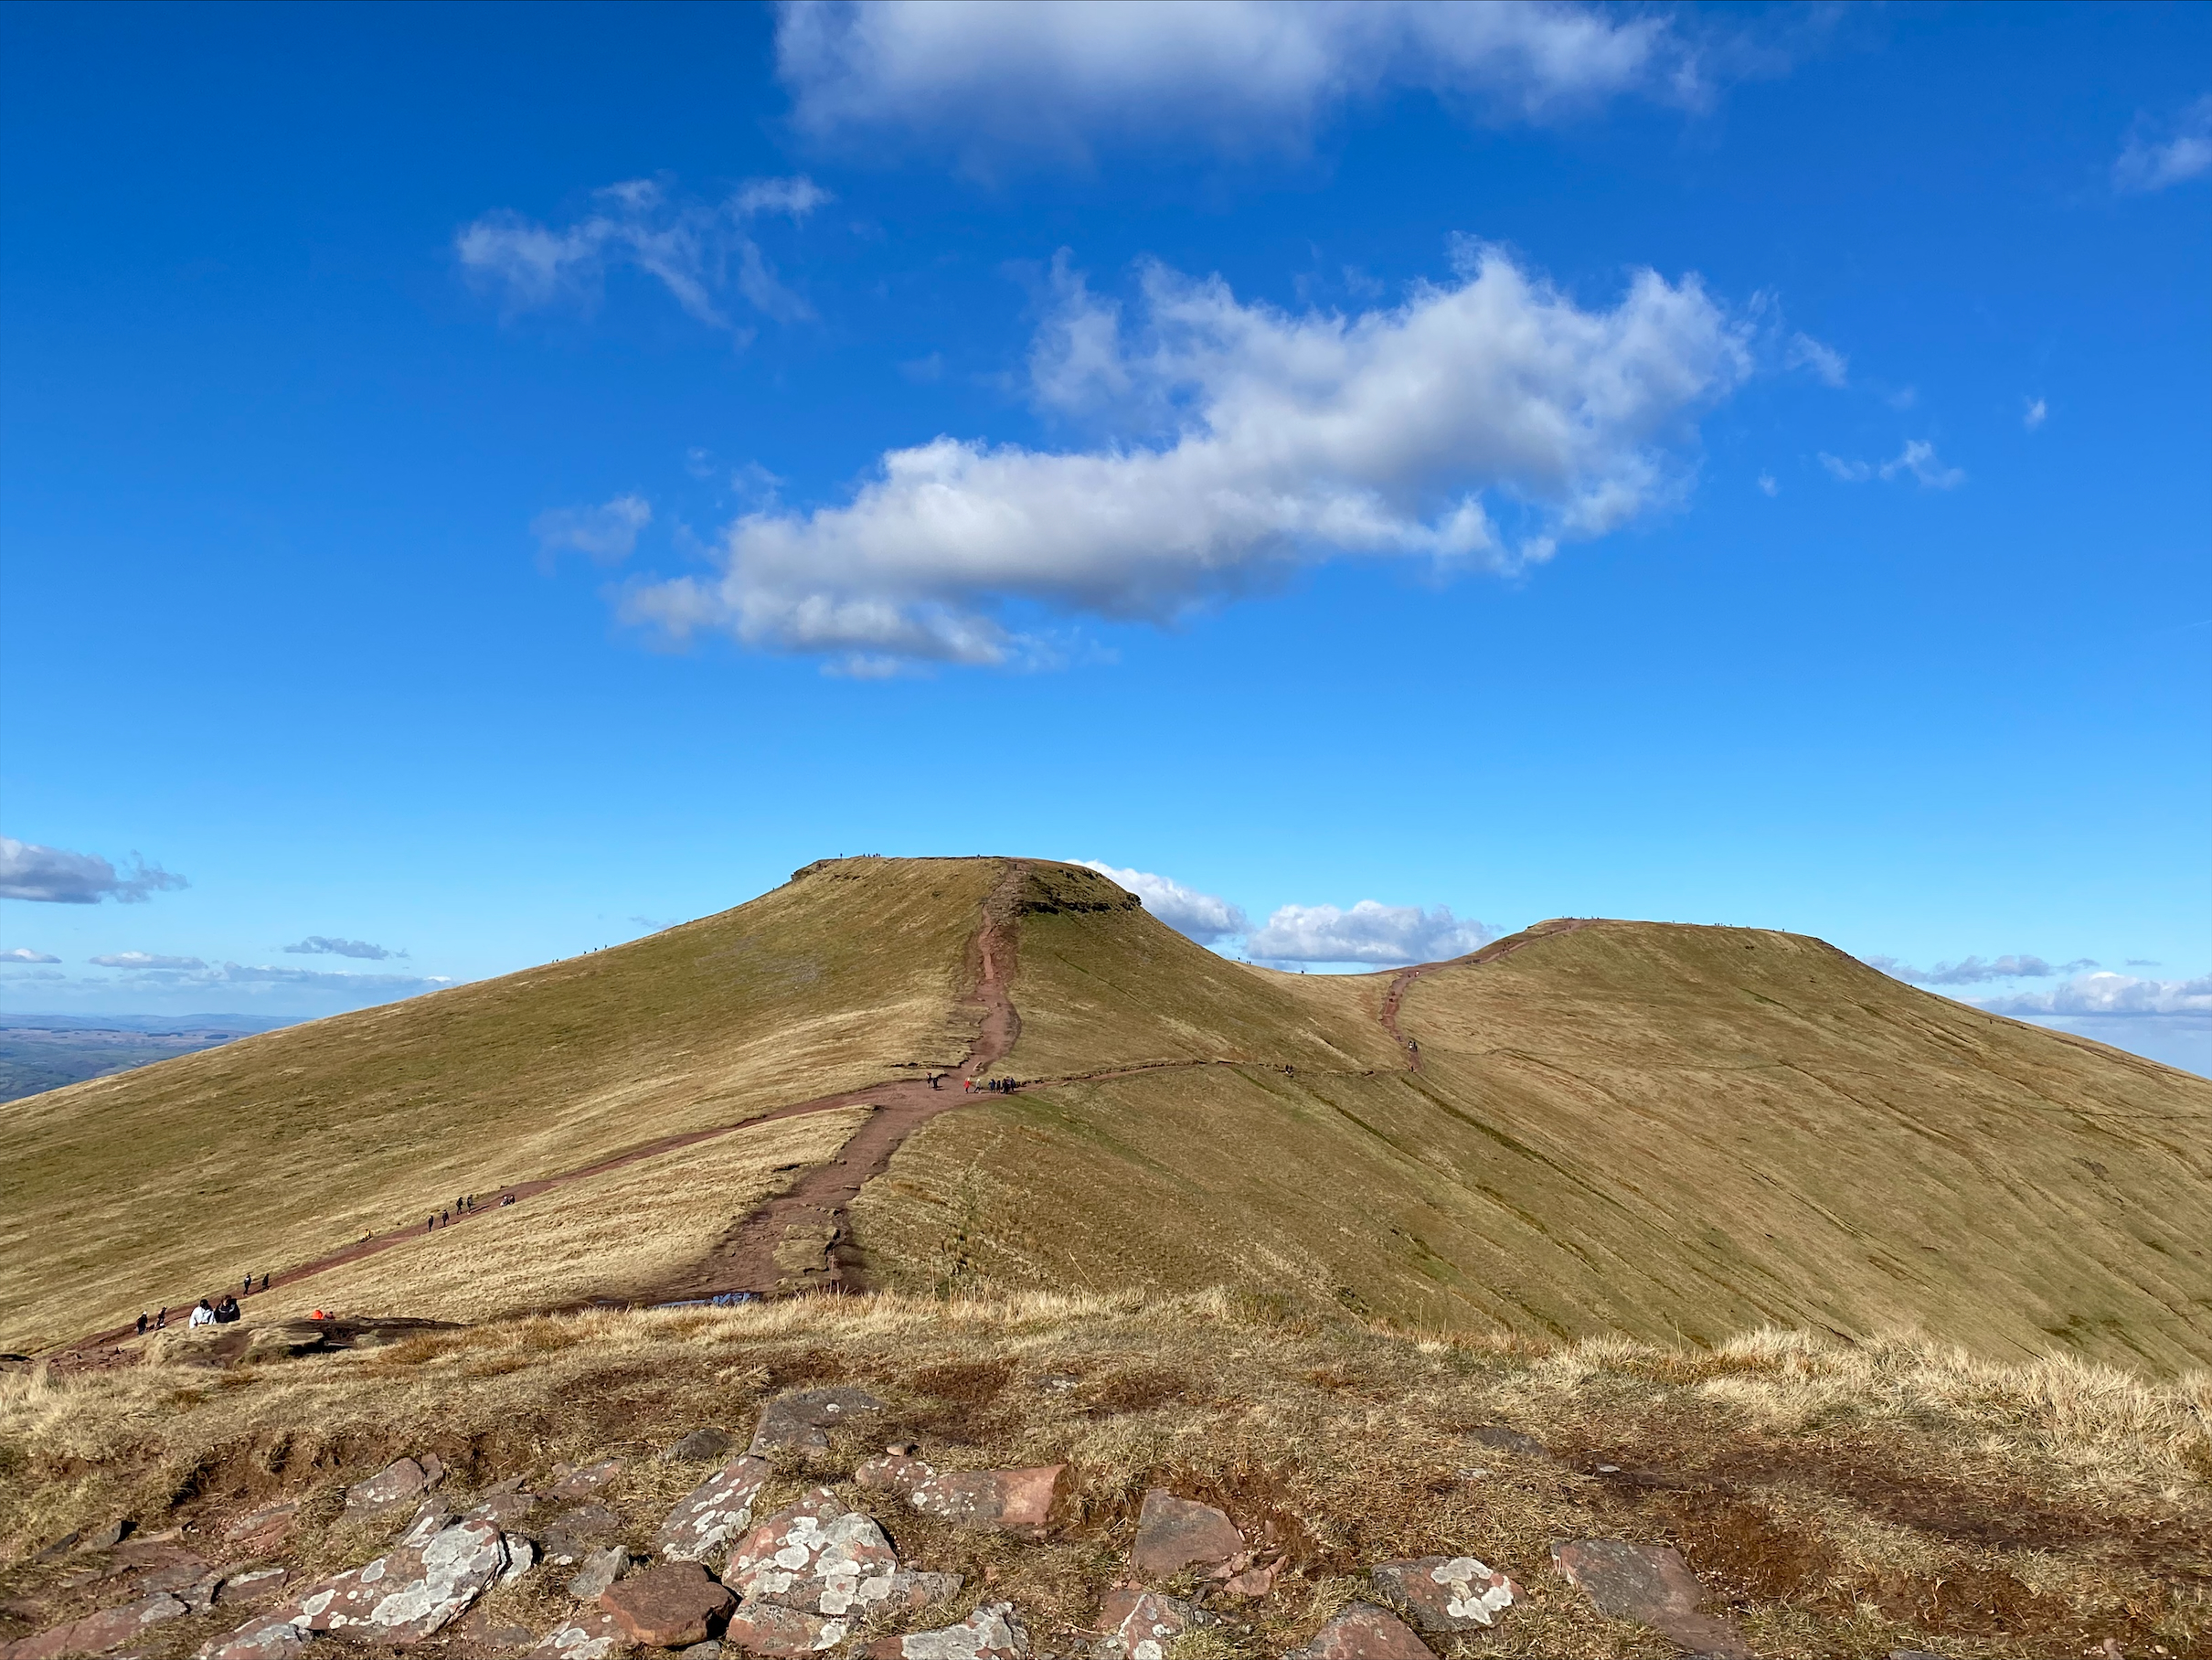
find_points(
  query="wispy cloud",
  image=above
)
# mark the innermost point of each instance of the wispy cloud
(2159, 154)
(1369, 931)
(1205, 918)
(1918, 460)
(23, 954)
(146, 960)
(1766, 486)
(1976, 971)
(2033, 412)
(1244, 440)
(1015, 85)
(607, 534)
(700, 252)
(54, 876)
(323, 945)
(1827, 363)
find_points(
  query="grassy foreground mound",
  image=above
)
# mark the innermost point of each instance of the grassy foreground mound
(1839, 1500)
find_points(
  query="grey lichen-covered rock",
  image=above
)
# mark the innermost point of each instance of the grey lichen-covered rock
(401, 1481)
(270, 1637)
(810, 1573)
(699, 1447)
(1447, 1594)
(410, 1592)
(1140, 1624)
(593, 1635)
(571, 1536)
(1364, 1632)
(994, 1631)
(1003, 1501)
(600, 1570)
(1650, 1583)
(1174, 1534)
(713, 1513)
(97, 1634)
(803, 1419)
(255, 1585)
(581, 1481)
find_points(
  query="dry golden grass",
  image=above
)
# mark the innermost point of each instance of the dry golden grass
(1842, 1500)
(132, 1191)
(1674, 1133)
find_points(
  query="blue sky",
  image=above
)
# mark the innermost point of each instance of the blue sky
(481, 483)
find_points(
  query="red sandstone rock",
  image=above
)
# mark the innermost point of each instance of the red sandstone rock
(1650, 1583)
(1175, 1533)
(668, 1606)
(1364, 1632)
(1447, 1594)
(1139, 1625)
(96, 1633)
(1004, 1501)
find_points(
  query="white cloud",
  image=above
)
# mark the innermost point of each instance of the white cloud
(607, 534)
(237, 973)
(1247, 439)
(2152, 162)
(2035, 413)
(23, 954)
(142, 959)
(2111, 994)
(322, 944)
(54, 876)
(1368, 933)
(1766, 485)
(1975, 971)
(1828, 365)
(699, 251)
(1205, 917)
(1037, 81)
(1917, 458)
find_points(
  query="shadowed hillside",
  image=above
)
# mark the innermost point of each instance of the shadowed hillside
(1673, 1134)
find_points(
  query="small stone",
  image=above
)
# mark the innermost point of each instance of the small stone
(1447, 1594)
(670, 1606)
(1175, 1533)
(266, 1530)
(502, 1505)
(1003, 1501)
(255, 1585)
(716, 1511)
(1139, 1625)
(522, 1556)
(567, 1539)
(269, 1637)
(1252, 1582)
(591, 1634)
(994, 1631)
(699, 1446)
(600, 1570)
(1507, 1440)
(1650, 1583)
(804, 1417)
(97, 1634)
(102, 1538)
(399, 1483)
(1364, 1632)
(581, 1481)
(1919, 1654)
(709, 1650)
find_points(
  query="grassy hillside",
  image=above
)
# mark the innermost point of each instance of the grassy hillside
(1671, 1133)
(125, 1192)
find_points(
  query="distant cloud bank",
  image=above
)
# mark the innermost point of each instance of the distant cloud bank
(323, 945)
(53, 876)
(2100, 993)
(1369, 932)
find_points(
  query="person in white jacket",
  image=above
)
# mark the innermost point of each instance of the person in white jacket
(202, 1316)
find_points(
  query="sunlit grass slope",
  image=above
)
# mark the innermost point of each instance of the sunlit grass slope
(120, 1192)
(1665, 1131)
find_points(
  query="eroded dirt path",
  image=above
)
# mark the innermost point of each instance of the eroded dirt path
(1402, 982)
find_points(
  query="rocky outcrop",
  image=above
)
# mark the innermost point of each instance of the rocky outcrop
(600, 1570)
(668, 1607)
(1650, 1583)
(811, 1571)
(994, 1631)
(1174, 1534)
(97, 1634)
(1002, 1501)
(1446, 1594)
(713, 1513)
(581, 1481)
(593, 1635)
(438, 1569)
(573, 1536)
(402, 1482)
(802, 1420)
(1364, 1632)
(1139, 1625)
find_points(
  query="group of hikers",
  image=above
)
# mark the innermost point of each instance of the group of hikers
(465, 1203)
(1003, 1085)
(211, 1310)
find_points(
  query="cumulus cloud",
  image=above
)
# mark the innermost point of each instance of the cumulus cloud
(143, 959)
(2035, 413)
(239, 973)
(1917, 459)
(1975, 971)
(2157, 157)
(699, 251)
(1766, 486)
(23, 954)
(1827, 364)
(1246, 439)
(2111, 994)
(55, 876)
(1368, 933)
(1245, 75)
(606, 535)
(322, 944)
(1205, 917)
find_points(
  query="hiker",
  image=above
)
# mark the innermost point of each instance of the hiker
(142, 1325)
(446, 1218)
(264, 1282)
(248, 1291)
(430, 1224)
(202, 1316)
(509, 1199)
(161, 1321)
(226, 1311)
